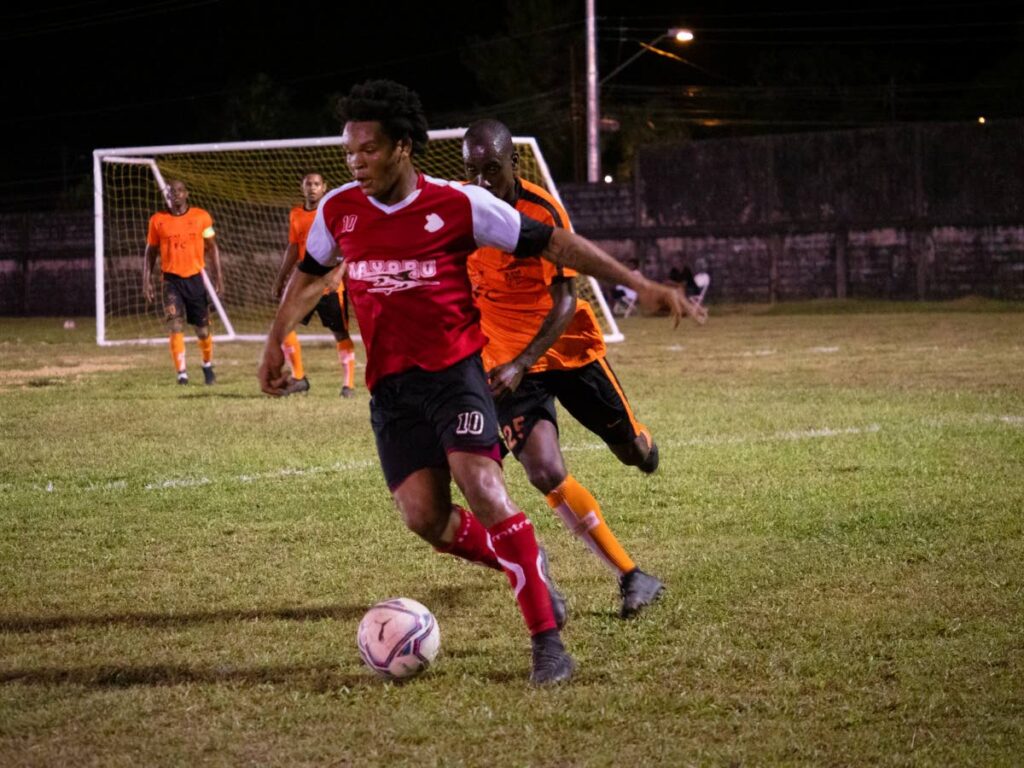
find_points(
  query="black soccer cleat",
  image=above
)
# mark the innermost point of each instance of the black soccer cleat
(182, 377)
(551, 663)
(559, 605)
(209, 377)
(638, 589)
(297, 385)
(347, 392)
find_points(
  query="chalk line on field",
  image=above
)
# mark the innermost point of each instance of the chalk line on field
(818, 433)
(176, 483)
(787, 435)
(1009, 419)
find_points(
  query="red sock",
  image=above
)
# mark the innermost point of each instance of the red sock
(472, 542)
(516, 548)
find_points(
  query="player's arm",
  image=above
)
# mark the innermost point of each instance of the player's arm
(506, 378)
(291, 257)
(212, 256)
(571, 250)
(302, 293)
(498, 224)
(148, 262)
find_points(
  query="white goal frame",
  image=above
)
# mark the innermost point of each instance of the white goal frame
(144, 156)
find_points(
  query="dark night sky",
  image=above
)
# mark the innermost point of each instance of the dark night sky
(81, 75)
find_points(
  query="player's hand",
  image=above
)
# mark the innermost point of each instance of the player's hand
(698, 312)
(654, 297)
(271, 371)
(218, 285)
(276, 290)
(505, 379)
(147, 291)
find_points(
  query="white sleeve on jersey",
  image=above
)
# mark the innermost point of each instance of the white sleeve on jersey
(495, 222)
(320, 242)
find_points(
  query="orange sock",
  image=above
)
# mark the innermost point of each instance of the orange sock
(178, 351)
(347, 358)
(206, 349)
(293, 354)
(581, 514)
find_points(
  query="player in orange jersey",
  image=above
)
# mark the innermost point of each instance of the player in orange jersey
(184, 239)
(543, 343)
(333, 306)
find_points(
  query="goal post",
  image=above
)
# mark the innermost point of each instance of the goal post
(248, 188)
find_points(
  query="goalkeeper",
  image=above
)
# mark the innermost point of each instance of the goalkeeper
(184, 238)
(544, 343)
(333, 305)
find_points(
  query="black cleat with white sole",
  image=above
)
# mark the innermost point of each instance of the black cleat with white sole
(638, 589)
(552, 664)
(294, 386)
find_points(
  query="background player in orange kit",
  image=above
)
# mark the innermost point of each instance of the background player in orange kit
(332, 307)
(184, 239)
(543, 343)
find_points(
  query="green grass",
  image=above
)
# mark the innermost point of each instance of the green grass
(837, 516)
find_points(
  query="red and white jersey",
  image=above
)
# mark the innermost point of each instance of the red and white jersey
(407, 274)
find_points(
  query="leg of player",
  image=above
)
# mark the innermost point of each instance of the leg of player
(205, 340)
(347, 360)
(465, 537)
(642, 452)
(292, 349)
(178, 350)
(346, 349)
(480, 479)
(174, 316)
(542, 459)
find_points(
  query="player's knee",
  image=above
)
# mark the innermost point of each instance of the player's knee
(546, 478)
(631, 454)
(175, 324)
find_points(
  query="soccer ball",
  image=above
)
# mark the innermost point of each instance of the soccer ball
(398, 638)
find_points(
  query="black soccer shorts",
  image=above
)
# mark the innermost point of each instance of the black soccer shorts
(591, 394)
(186, 296)
(419, 417)
(332, 311)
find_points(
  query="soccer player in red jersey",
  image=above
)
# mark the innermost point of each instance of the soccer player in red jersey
(184, 238)
(404, 239)
(543, 343)
(333, 305)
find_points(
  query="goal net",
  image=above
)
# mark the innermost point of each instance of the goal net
(248, 188)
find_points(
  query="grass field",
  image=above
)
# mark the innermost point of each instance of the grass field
(838, 516)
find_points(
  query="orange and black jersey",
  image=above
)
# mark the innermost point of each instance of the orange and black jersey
(182, 240)
(300, 220)
(513, 297)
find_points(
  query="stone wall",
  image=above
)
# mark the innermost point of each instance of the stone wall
(47, 264)
(909, 212)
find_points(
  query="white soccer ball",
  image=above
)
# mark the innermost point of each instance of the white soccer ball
(398, 638)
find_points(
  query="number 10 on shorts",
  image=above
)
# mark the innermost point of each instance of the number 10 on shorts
(470, 423)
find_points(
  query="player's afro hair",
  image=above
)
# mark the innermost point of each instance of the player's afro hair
(397, 108)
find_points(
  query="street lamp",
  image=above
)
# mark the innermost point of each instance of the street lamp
(594, 86)
(676, 33)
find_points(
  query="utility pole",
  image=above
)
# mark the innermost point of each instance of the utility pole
(593, 108)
